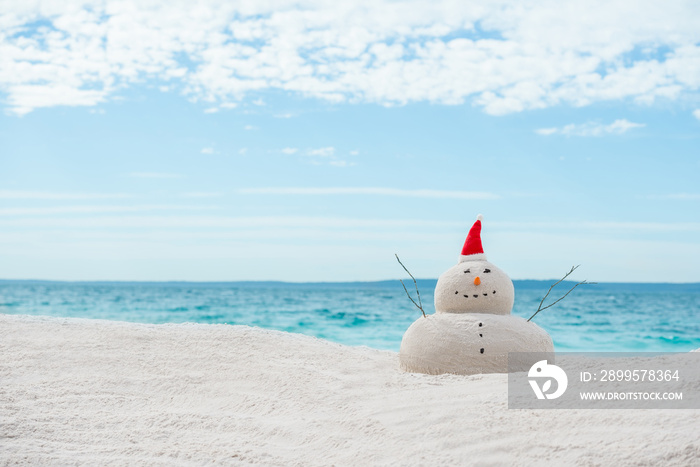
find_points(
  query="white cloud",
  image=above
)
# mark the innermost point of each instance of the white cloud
(208, 150)
(49, 219)
(250, 127)
(322, 152)
(354, 153)
(207, 221)
(676, 197)
(243, 151)
(289, 150)
(375, 191)
(44, 195)
(696, 114)
(617, 127)
(154, 175)
(43, 211)
(609, 227)
(211, 110)
(326, 156)
(505, 56)
(24, 98)
(201, 194)
(621, 126)
(341, 163)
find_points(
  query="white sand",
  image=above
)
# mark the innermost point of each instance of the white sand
(99, 393)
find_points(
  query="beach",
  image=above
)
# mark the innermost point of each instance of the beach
(97, 392)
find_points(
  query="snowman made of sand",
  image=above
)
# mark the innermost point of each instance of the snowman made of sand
(472, 330)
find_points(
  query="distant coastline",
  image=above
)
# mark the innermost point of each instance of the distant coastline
(423, 284)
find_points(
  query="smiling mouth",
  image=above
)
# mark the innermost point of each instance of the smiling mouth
(477, 295)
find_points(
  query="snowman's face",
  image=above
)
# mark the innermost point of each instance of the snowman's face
(474, 287)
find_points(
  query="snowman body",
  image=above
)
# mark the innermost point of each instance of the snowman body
(472, 330)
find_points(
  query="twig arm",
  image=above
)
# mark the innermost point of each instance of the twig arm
(540, 308)
(411, 298)
(419, 304)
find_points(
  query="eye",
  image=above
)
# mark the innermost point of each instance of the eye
(467, 271)
(487, 270)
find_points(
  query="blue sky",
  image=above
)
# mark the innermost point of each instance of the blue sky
(310, 141)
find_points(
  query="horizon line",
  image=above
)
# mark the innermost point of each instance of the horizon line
(262, 281)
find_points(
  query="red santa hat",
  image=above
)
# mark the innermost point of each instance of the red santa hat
(472, 246)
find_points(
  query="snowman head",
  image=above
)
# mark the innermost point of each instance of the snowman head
(474, 285)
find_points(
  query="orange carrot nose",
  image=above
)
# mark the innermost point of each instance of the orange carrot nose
(477, 281)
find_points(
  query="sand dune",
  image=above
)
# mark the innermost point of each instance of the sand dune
(99, 393)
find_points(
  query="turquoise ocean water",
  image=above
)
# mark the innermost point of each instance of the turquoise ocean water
(602, 317)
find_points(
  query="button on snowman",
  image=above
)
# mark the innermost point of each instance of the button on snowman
(472, 329)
